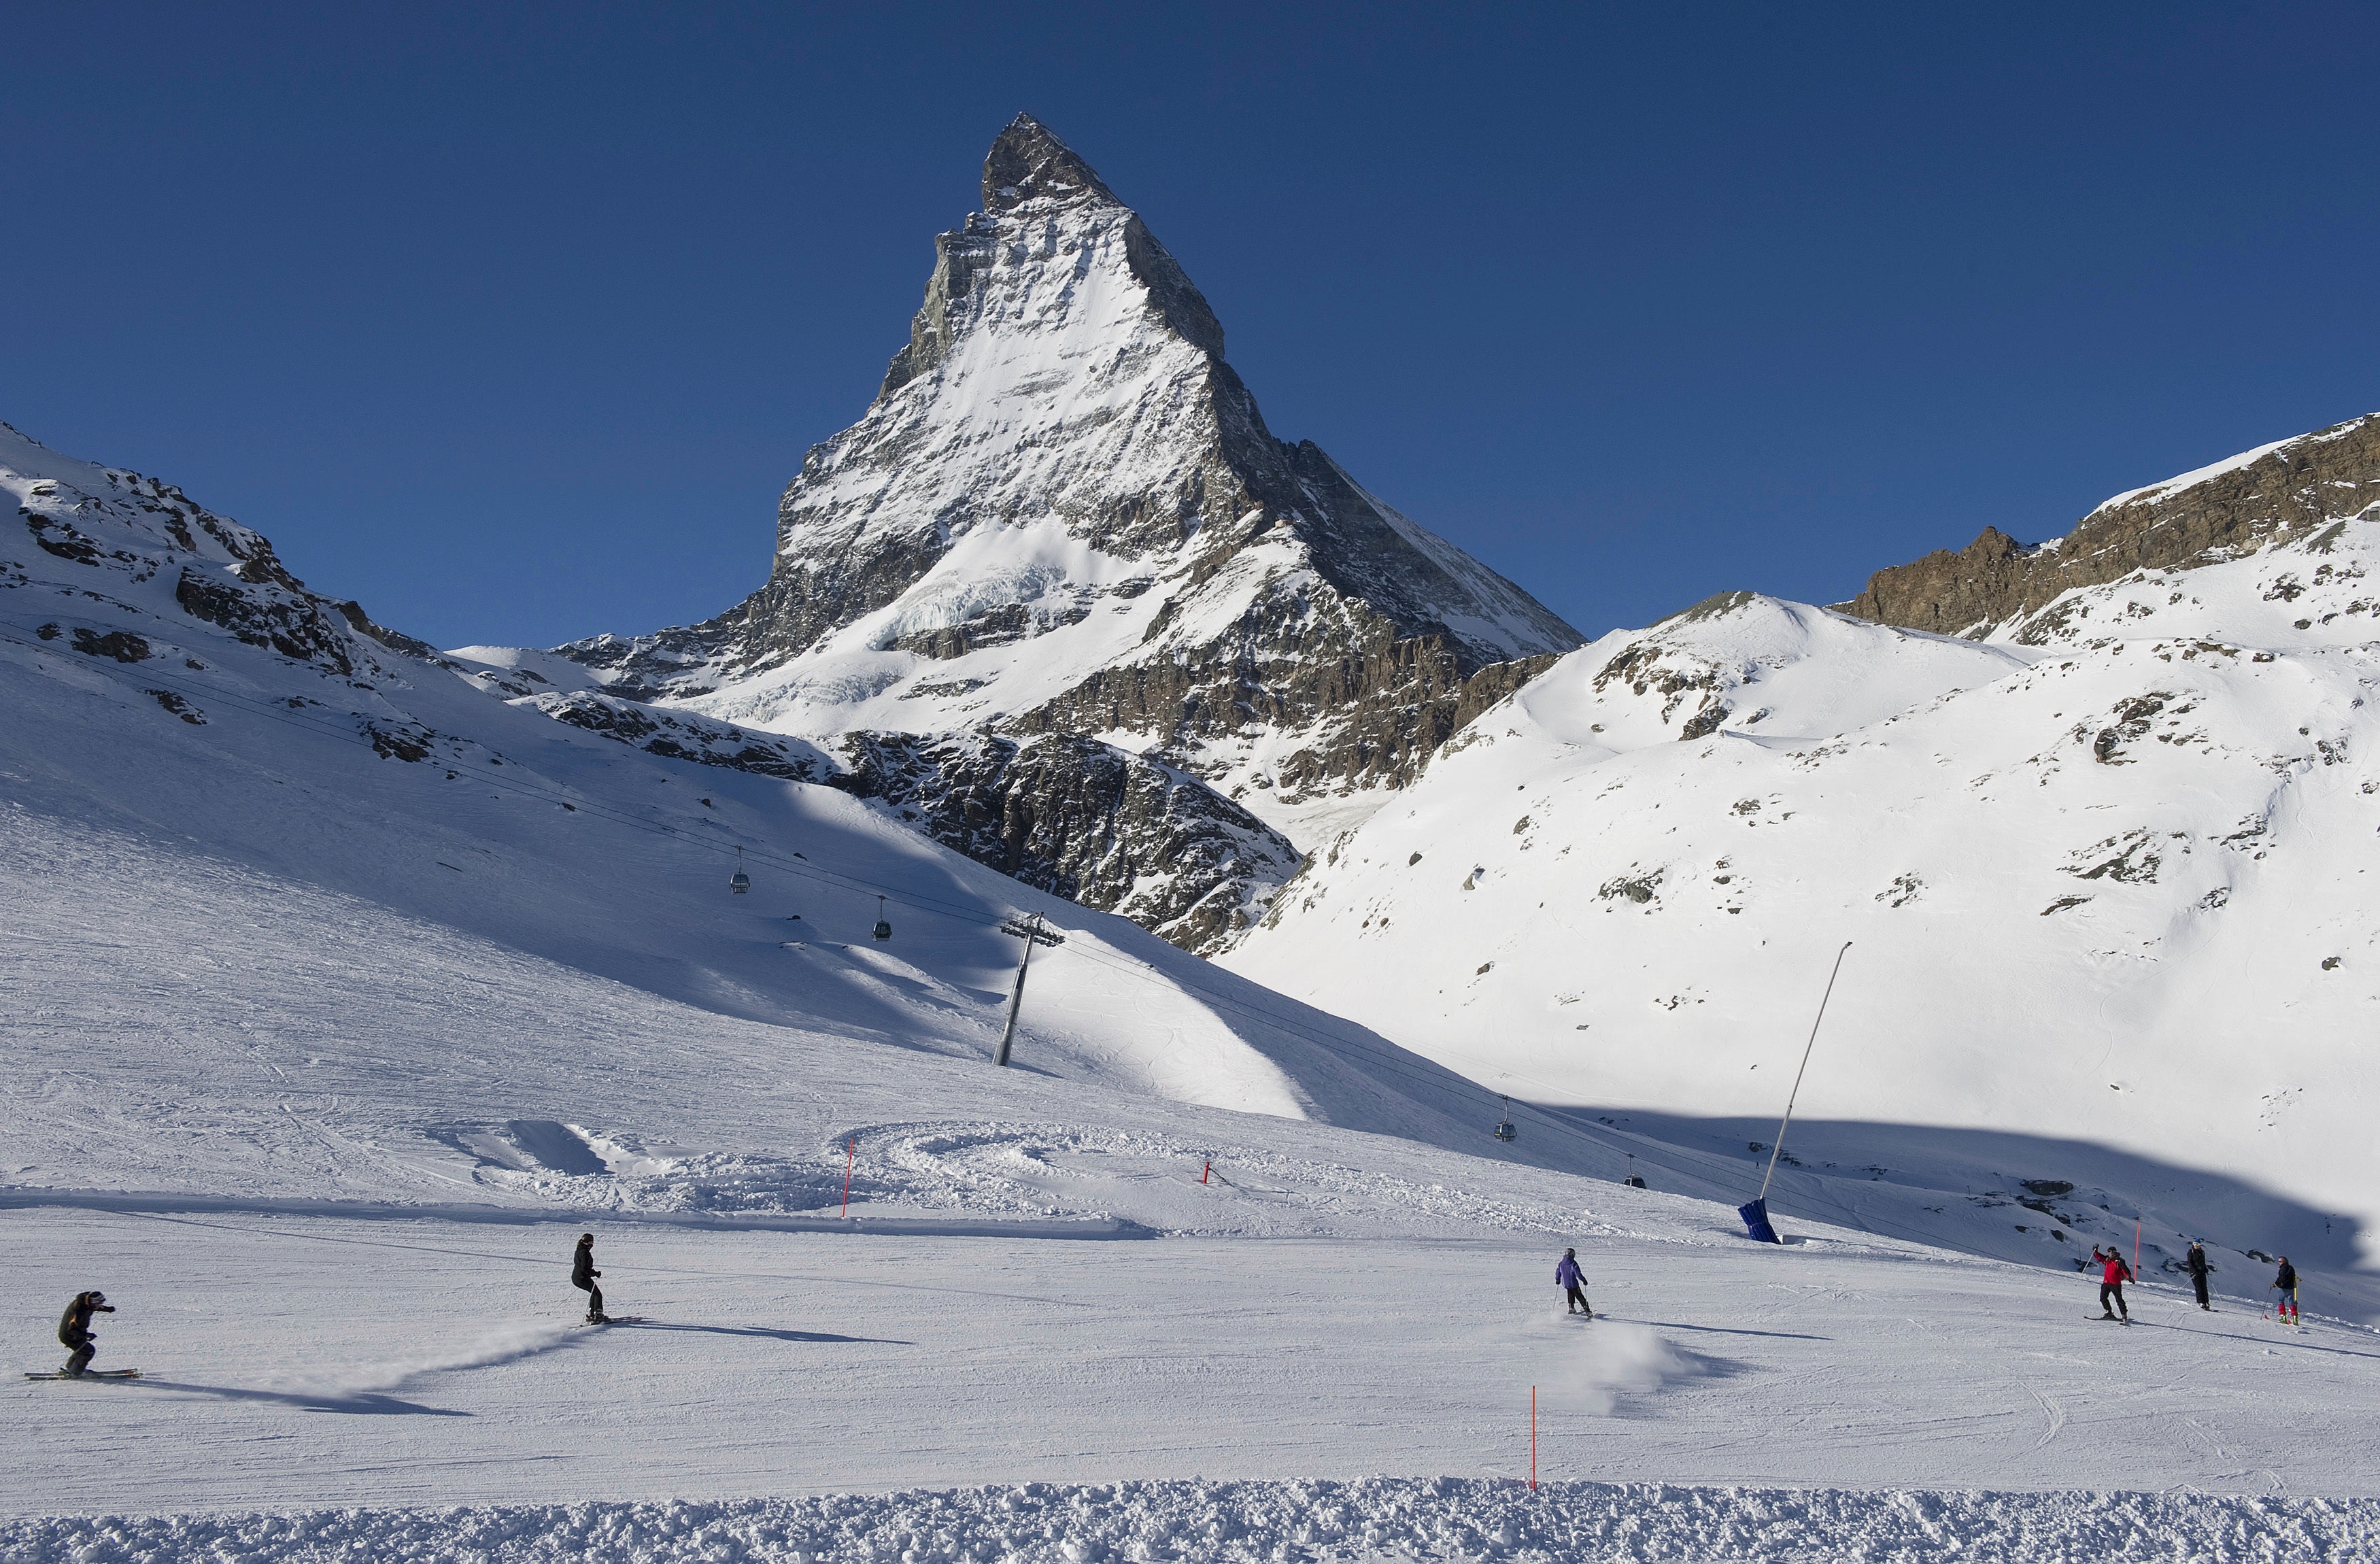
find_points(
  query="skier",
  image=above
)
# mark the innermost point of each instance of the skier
(1574, 1285)
(74, 1330)
(2113, 1274)
(2196, 1261)
(582, 1276)
(2288, 1282)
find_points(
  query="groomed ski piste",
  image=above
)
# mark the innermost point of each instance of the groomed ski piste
(338, 1003)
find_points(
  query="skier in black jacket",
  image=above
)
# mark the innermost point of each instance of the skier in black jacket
(2196, 1263)
(2288, 1282)
(582, 1276)
(74, 1329)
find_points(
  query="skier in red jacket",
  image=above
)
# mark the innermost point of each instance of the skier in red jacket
(2113, 1274)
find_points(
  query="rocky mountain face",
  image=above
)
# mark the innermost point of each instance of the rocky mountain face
(2287, 491)
(143, 547)
(1082, 819)
(1063, 518)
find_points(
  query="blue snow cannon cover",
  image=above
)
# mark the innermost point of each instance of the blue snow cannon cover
(1755, 1222)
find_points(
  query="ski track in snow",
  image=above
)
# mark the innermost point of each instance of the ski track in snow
(1374, 1519)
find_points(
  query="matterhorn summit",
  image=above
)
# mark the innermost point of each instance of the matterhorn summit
(1062, 518)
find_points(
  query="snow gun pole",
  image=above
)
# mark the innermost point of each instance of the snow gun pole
(1779, 1149)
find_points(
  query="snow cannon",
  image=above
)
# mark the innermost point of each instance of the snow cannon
(1755, 1222)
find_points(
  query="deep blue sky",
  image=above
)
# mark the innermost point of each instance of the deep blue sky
(512, 321)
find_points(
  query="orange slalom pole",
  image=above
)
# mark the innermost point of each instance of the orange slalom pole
(850, 1150)
(1533, 1438)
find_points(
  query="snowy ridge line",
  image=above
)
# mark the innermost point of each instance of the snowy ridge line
(762, 854)
(18, 1199)
(274, 712)
(1324, 1521)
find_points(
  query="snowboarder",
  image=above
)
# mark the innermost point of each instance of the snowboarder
(1574, 1285)
(2196, 1263)
(2288, 1282)
(2113, 1274)
(74, 1330)
(582, 1276)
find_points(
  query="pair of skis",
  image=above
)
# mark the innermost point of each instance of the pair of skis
(87, 1374)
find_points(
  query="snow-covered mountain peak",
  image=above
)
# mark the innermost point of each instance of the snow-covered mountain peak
(1028, 163)
(1063, 512)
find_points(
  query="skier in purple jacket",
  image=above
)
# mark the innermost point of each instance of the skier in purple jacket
(1574, 1285)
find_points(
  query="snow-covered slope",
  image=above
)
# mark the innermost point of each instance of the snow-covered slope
(1063, 514)
(343, 985)
(2109, 877)
(170, 690)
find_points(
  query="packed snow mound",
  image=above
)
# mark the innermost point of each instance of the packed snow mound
(2108, 877)
(1063, 512)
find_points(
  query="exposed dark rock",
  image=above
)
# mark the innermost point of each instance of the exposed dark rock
(266, 614)
(681, 736)
(2293, 491)
(396, 640)
(60, 538)
(398, 740)
(1084, 820)
(1636, 887)
(121, 645)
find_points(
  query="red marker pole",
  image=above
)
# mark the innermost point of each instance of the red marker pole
(1533, 1438)
(1208, 1168)
(2136, 1248)
(850, 1150)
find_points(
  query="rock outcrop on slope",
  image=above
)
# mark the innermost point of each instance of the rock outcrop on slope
(1085, 820)
(1064, 516)
(145, 548)
(2287, 491)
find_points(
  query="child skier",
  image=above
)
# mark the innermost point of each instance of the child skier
(74, 1330)
(1574, 1285)
(582, 1276)
(2113, 1274)
(2288, 1282)
(2196, 1262)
